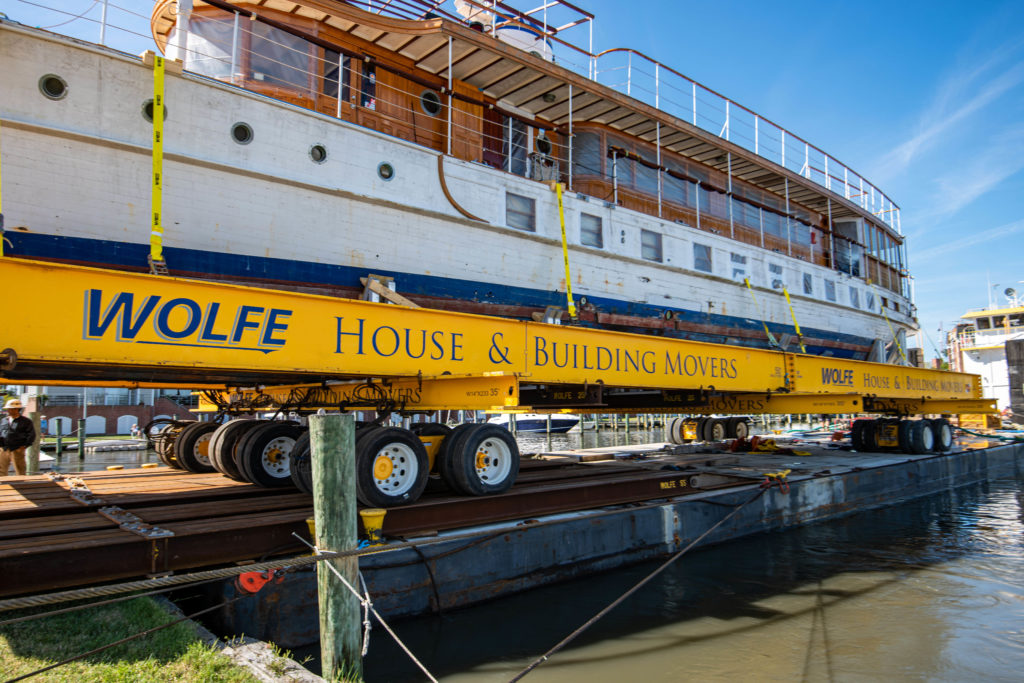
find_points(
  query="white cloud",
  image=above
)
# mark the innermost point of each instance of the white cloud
(957, 246)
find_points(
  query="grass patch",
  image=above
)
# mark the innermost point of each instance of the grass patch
(172, 654)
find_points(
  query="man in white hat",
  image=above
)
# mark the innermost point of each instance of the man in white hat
(16, 434)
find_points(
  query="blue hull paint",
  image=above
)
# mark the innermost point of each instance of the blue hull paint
(127, 255)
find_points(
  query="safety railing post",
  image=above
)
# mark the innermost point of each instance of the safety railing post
(332, 448)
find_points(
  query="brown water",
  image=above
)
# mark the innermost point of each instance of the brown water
(931, 589)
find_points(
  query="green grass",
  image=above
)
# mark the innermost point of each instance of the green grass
(172, 654)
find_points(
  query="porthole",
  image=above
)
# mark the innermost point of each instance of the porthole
(242, 133)
(53, 86)
(430, 102)
(147, 111)
(543, 145)
(385, 170)
(318, 153)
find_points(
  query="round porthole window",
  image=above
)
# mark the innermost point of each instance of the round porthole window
(147, 111)
(543, 145)
(385, 170)
(430, 101)
(242, 133)
(53, 86)
(318, 153)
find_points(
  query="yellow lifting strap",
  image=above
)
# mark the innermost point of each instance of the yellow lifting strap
(796, 325)
(565, 252)
(771, 337)
(888, 322)
(156, 236)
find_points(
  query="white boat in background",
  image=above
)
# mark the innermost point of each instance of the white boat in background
(535, 422)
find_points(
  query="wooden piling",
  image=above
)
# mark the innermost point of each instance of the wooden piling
(81, 438)
(332, 446)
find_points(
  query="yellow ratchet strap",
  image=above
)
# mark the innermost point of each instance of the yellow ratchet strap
(771, 337)
(796, 325)
(565, 252)
(888, 322)
(156, 235)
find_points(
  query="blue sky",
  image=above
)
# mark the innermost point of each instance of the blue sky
(925, 99)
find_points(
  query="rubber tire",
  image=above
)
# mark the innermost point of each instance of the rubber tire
(368, 445)
(943, 433)
(922, 439)
(444, 456)
(857, 434)
(248, 453)
(716, 429)
(904, 436)
(164, 444)
(225, 440)
(739, 428)
(870, 436)
(462, 465)
(302, 463)
(699, 431)
(185, 446)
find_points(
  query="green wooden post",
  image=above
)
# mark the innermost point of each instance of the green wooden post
(81, 438)
(332, 446)
(60, 437)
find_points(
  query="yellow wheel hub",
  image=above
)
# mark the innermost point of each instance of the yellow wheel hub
(382, 467)
(481, 459)
(203, 448)
(274, 455)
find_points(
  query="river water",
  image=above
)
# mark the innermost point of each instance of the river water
(930, 589)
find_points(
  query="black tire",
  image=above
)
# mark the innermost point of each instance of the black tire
(903, 436)
(430, 429)
(857, 434)
(225, 440)
(163, 444)
(484, 460)
(154, 427)
(701, 424)
(870, 436)
(739, 428)
(398, 481)
(716, 429)
(263, 453)
(192, 447)
(302, 463)
(943, 435)
(445, 455)
(922, 438)
(676, 433)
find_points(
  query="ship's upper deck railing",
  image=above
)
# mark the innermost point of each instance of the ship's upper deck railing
(645, 79)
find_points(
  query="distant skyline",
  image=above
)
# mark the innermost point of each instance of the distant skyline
(925, 99)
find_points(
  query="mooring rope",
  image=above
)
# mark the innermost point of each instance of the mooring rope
(618, 601)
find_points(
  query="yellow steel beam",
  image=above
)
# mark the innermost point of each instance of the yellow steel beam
(410, 394)
(111, 326)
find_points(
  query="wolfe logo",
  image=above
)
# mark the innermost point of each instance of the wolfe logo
(181, 321)
(837, 377)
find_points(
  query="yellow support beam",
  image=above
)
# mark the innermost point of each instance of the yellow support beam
(113, 326)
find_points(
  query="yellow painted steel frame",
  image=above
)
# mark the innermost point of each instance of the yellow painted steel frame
(113, 326)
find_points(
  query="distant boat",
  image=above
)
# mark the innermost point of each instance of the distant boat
(535, 422)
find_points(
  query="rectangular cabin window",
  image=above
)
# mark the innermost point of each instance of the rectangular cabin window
(984, 323)
(586, 154)
(620, 169)
(702, 257)
(279, 58)
(333, 64)
(854, 298)
(830, 290)
(869, 301)
(739, 266)
(775, 268)
(209, 46)
(591, 234)
(520, 212)
(848, 252)
(998, 321)
(1016, 319)
(646, 179)
(368, 97)
(514, 146)
(650, 245)
(808, 284)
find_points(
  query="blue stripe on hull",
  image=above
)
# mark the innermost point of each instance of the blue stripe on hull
(109, 253)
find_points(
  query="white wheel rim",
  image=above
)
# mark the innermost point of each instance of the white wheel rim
(276, 457)
(404, 469)
(928, 437)
(197, 449)
(945, 436)
(493, 460)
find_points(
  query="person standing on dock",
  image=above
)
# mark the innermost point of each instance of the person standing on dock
(16, 434)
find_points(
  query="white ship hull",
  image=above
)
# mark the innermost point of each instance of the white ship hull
(76, 187)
